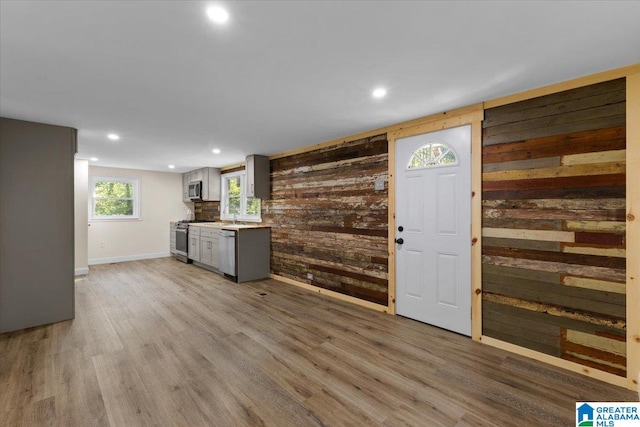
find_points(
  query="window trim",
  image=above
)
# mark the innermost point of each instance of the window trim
(224, 199)
(136, 198)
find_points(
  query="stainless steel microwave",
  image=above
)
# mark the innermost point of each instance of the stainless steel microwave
(195, 190)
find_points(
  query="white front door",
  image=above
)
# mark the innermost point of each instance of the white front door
(433, 228)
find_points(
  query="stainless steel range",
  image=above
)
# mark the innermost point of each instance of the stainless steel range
(182, 241)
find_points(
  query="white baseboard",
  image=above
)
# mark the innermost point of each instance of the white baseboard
(82, 271)
(137, 257)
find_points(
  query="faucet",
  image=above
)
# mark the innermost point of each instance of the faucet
(234, 218)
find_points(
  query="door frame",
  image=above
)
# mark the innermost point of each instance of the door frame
(472, 116)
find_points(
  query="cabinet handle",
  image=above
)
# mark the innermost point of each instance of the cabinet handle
(208, 245)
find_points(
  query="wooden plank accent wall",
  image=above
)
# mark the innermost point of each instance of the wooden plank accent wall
(327, 219)
(207, 211)
(554, 208)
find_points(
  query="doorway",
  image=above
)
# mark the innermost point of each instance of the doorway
(433, 228)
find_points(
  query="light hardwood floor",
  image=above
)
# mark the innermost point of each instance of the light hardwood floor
(158, 342)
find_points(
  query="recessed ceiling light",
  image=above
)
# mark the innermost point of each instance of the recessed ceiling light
(172, 166)
(94, 159)
(379, 92)
(113, 137)
(216, 151)
(217, 14)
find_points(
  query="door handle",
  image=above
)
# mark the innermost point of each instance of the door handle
(400, 241)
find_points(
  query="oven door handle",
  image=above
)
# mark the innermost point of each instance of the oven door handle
(180, 230)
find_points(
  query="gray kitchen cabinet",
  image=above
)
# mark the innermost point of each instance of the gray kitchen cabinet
(210, 179)
(172, 238)
(258, 177)
(209, 250)
(197, 175)
(252, 254)
(185, 186)
(194, 244)
(211, 191)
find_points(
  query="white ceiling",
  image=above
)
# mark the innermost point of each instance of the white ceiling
(283, 75)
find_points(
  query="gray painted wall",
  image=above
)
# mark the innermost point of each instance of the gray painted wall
(36, 224)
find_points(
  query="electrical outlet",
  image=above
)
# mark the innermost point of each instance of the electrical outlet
(310, 276)
(379, 184)
(102, 244)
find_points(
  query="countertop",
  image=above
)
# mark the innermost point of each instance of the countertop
(228, 226)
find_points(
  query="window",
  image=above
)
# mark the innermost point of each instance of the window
(114, 198)
(235, 203)
(432, 154)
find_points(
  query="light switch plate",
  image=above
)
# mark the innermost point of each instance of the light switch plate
(379, 184)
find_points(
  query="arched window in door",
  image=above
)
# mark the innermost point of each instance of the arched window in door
(434, 154)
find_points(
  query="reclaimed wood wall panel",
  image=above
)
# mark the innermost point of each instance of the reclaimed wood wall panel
(327, 219)
(557, 145)
(206, 211)
(554, 208)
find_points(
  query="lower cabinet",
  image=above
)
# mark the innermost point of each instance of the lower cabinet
(250, 251)
(209, 251)
(203, 246)
(253, 254)
(194, 244)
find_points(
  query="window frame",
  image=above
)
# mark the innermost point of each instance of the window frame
(439, 158)
(136, 198)
(224, 199)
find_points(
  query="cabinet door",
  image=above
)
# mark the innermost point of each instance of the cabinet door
(250, 169)
(204, 179)
(194, 248)
(206, 250)
(196, 175)
(185, 187)
(212, 192)
(258, 177)
(215, 255)
(250, 166)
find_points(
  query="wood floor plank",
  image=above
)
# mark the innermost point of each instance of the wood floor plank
(125, 396)
(246, 381)
(78, 396)
(158, 342)
(293, 380)
(218, 404)
(343, 413)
